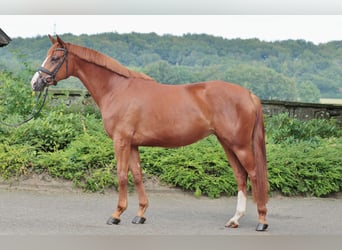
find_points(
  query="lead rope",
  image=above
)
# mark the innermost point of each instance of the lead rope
(34, 112)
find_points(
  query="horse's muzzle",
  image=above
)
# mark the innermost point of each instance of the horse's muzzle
(38, 83)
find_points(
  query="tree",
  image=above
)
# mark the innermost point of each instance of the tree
(308, 92)
(263, 81)
(163, 72)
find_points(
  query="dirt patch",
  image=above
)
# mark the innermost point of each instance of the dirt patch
(45, 183)
(42, 182)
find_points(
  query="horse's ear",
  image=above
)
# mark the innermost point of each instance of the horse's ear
(60, 41)
(53, 40)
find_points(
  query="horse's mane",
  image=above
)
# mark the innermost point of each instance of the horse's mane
(104, 61)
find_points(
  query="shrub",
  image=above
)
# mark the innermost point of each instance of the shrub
(15, 160)
(88, 161)
(306, 169)
(15, 96)
(50, 134)
(286, 130)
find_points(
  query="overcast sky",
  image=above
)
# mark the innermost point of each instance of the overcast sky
(314, 28)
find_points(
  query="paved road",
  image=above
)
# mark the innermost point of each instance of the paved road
(36, 212)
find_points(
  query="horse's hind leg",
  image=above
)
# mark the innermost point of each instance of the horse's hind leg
(245, 156)
(241, 178)
(135, 168)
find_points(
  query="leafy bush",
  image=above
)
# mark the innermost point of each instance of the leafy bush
(15, 96)
(53, 133)
(15, 160)
(87, 160)
(286, 130)
(305, 168)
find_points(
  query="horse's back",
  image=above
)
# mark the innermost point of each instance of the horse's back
(211, 100)
(219, 95)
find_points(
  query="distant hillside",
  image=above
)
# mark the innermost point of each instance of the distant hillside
(288, 70)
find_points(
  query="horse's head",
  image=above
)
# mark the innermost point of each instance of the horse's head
(52, 69)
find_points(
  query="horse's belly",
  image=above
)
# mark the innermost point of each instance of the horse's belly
(172, 136)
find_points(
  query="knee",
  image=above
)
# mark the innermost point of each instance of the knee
(122, 178)
(137, 178)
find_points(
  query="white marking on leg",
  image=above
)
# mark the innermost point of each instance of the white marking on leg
(240, 210)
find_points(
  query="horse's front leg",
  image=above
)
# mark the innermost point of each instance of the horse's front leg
(122, 150)
(135, 168)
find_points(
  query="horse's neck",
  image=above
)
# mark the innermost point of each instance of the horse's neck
(98, 81)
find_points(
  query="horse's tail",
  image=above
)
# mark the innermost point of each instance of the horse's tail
(260, 194)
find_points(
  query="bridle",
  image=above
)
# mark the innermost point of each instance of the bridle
(52, 74)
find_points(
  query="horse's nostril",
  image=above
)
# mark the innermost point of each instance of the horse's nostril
(38, 86)
(34, 84)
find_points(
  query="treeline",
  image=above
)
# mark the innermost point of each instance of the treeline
(293, 70)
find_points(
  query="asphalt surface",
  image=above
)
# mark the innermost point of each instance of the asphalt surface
(171, 212)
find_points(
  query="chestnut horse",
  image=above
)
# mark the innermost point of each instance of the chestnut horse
(138, 111)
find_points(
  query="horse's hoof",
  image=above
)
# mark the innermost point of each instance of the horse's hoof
(113, 221)
(261, 227)
(232, 225)
(138, 220)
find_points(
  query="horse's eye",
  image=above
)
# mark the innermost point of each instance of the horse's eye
(54, 58)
